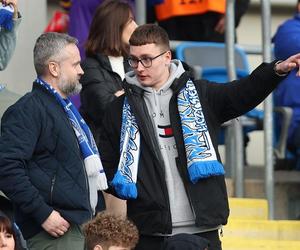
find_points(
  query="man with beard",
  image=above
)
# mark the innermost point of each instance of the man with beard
(49, 164)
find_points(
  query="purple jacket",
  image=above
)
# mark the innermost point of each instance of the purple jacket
(81, 14)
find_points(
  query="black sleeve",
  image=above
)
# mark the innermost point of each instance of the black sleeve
(241, 6)
(96, 93)
(109, 144)
(20, 130)
(233, 99)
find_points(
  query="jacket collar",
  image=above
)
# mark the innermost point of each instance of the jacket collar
(104, 62)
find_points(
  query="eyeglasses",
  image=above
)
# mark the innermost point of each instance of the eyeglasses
(145, 61)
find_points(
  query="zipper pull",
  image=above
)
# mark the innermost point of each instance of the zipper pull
(221, 232)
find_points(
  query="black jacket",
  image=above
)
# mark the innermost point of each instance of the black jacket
(99, 85)
(41, 167)
(220, 103)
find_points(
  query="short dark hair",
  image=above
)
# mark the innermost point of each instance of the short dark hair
(109, 230)
(150, 33)
(106, 29)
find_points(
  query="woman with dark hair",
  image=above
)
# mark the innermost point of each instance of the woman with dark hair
(7, 234)
(105, 68)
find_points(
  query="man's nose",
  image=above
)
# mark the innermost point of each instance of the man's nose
(140, 66)
(80, 71)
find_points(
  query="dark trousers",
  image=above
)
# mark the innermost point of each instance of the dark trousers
(156, 242)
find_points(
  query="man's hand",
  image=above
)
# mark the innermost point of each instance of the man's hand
(14, 4)
(289, 64)
(56, 225)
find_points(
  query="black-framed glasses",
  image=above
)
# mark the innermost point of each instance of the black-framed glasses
(145, 61)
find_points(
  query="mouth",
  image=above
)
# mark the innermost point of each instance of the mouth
(142, 77)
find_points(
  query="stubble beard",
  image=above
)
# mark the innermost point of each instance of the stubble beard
(69, 88)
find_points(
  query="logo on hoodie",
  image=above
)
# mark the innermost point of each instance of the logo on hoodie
(165, 131)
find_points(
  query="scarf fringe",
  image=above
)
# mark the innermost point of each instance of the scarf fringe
(205, 169)
(6, 17)
(93, 165)
(94, 168)
(102, 181)
(125, 189)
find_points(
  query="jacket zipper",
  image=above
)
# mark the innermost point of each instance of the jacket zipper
(161, 165)
(52, 188)
(86, 181)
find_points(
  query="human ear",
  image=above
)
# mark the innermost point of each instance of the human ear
(168, 57)
(53, 69)
(98, 247)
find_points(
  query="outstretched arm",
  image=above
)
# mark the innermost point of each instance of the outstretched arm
(233, 99)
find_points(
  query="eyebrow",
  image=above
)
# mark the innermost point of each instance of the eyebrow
(142, 56)
(77, 62)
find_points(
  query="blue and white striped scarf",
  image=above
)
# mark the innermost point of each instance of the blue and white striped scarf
(124, 180)
(87, 145)
(201, 156)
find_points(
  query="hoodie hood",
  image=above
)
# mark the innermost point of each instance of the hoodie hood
(176, 70)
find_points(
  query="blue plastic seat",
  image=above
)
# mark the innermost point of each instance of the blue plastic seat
(210, 55)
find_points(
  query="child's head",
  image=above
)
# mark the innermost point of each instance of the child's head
(7, 235)
(109, 232)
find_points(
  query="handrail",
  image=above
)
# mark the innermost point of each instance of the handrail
(140, 11)
(268, 107)
(237, 159)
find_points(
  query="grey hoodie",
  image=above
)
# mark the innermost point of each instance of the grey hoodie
(157, 101)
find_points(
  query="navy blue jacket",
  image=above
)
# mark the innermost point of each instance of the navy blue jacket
(41, 167)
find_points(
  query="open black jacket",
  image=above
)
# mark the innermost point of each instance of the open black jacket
(99, 85)
(208, 197)
(41, 167)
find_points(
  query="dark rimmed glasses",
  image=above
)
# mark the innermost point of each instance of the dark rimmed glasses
(145, 61)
